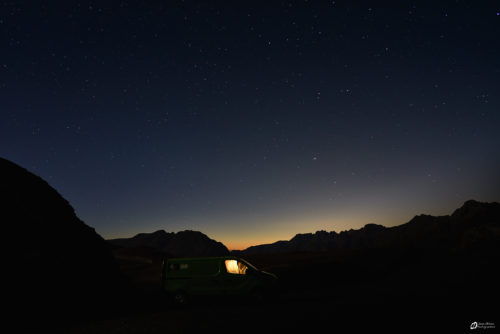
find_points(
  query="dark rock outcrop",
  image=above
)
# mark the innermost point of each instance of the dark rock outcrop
(180, 244)
(57, 264)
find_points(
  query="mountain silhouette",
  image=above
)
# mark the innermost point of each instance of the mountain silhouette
(472, 226)
(57, 263)
(180, 244)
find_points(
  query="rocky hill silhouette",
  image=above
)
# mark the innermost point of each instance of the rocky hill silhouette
(180, 244)
(57, 263)
(472, 226)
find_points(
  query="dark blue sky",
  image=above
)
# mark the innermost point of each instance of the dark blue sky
(253, 121)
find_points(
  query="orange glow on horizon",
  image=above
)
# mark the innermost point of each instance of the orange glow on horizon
(241, 245)
(284, 228)
(259, 231)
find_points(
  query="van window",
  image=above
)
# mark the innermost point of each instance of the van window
(235, 267)
(176, 266)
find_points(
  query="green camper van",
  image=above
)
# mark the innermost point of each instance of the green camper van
(183, 278)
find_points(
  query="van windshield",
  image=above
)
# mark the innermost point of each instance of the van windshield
(250, 265)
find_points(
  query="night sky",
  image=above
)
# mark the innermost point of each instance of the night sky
(253, 121)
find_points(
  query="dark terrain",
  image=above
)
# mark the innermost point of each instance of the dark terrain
(431, 273)
(345, 289)
(184, 243)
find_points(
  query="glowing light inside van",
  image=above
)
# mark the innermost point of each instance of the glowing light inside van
(232, 266)
(235, 267)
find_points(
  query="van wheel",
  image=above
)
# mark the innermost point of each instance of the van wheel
(181, 298)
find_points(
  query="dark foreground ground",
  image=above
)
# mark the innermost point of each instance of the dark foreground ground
(319, 292)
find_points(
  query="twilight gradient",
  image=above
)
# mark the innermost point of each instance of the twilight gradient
(253, 122)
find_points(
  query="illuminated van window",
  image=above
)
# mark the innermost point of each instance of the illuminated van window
(184, 266)
(235, 267)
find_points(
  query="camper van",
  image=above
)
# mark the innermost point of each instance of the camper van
(183, 278)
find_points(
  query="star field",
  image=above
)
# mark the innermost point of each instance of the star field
(253, 121)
